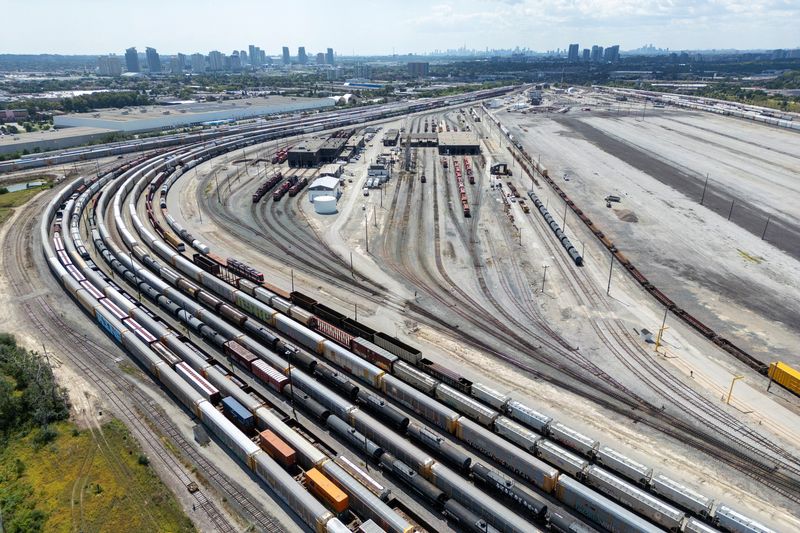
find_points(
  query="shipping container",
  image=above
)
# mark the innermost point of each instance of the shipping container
(373, 353)
(785, 376)
(237, 413)
(277, 448)
(198, 382)
(239, 354)
(269, 375)
(321, 486)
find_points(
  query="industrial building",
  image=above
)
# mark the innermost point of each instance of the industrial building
(324, 186)
(313, 152)
(458, 143)
(391, 137)
(331, 169)
(423, 139)
(147, 118)
(379, 170)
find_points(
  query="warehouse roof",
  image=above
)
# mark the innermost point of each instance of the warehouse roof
(458, 138)
(325, 183)
(140, 118)
(309, 145)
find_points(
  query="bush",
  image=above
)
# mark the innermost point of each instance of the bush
(143, 460)
(44, 436)
(3, 190)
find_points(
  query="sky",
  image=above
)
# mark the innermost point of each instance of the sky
(398, 26)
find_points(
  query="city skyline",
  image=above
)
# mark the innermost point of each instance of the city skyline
(419, 27)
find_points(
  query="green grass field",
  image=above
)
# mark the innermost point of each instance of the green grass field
(84, 481)
(10, 200)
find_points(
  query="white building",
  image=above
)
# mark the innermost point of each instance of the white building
(324, 186)
(378, 170)
(109, 66)
(331, 169)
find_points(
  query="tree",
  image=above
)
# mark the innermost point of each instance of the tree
(12, 129)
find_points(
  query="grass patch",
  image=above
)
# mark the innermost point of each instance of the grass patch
(72, 484)
(10, 200)
(18, 198)
(752, 258)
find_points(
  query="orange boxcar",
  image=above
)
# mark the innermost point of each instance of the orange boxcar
(325, 489)
(277, 449)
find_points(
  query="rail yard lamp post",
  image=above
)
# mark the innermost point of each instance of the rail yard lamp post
(610, 269)
(544, 277)
(730, 391)
(764, 233)
(705, 186)
(366, 228)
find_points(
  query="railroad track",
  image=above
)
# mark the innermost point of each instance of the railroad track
(661, 381)
(653, 412)
(103, 374)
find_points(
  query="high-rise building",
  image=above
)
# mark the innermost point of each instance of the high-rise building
(153, 61)
(320, 58)
(198, 63)
(216, 61)
(597, 54)
(572, 55)
(109, 66)
(587, 54)
(181, 61)
(235, 61)
(363, 71)
(611, 54)
(132, 59)
(287, 59)
(263, 59)
(256, 56)
(329, 56)
(244, 57)
(302, 58)
(418, 68)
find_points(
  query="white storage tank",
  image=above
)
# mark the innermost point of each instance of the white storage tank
(325, 205)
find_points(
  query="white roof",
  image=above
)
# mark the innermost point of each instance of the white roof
(325, 183)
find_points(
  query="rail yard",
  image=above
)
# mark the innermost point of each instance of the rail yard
(511, 320)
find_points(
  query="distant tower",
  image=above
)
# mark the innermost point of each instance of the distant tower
(287, 59)
(132, 59)
(153, 60)
(301, 55)
(329, 56)
(572, 56)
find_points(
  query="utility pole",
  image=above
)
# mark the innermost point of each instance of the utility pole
(351, 263)
(356, 317)
(730, 391)
(610, 269)
(366, 229)
(764, 233)
(564, 218)
(291, 389)
(292, 270)
(731, 211)
(702, 198)
(219, 200)
(199, 211)
(661, 330)
(544, 277)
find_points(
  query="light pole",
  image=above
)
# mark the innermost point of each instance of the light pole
(610, 269)
(544, 277)
(730, 391)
